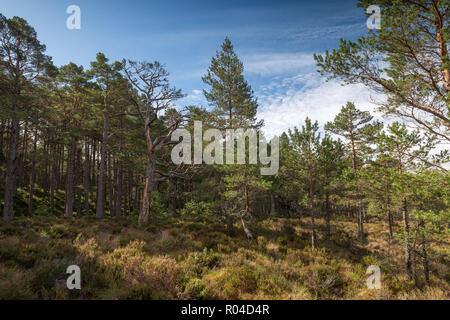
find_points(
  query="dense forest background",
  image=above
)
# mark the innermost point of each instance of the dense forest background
(87, 178)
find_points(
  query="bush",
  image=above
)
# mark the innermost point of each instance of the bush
(60, 231)
(240, 280)
(45, 276)
(196, 208)
(200, 262)
(195, 289)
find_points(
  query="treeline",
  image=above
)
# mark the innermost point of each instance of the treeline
(101, 137)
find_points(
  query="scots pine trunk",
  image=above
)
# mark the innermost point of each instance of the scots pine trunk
(407, 240)
(78, 181)
(32, 177)
(86, 177)
(147, 194)
(327, 215)
(245, 214)
(311, 207)
(70, 178)
(118, 190)
(360, 224)
(110, 186)
(10, 189)
(53, 181)
(100, 211)
(390, 220)
(272, 204)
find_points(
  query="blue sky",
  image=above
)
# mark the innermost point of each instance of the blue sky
(274, 39)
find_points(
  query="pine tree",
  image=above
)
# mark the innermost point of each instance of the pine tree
(407, 59)
(356, 128)
(74, 81)
(106, 75)
(232, 98)
(23, 59)
(235, 107)
(331, 164)
(305, 157)
(406, 148)
(151, 96)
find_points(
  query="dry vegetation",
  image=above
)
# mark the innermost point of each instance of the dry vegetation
(195, 258)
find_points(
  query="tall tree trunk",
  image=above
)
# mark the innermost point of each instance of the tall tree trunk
(311, 207)
(272, 204)
(407, 240)
(439, 26)
(390, 220)
(47, 165)
(149, 178)
(136, 196)
(126, 194)
(147, 194)
(70, 178)
(77, 181)
(245, 214)
(61, 167)
(86, 177)
(32, 176)
(110, 186)
(20, 181)
(327, 215)
(425, 263)
(53, 182)
(118, 190)
(2, 130)
(100, 211)
(246, 229)
(10, 188)
(361, 236)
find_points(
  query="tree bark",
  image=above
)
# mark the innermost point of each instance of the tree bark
(439, 26)
(311, 207)
(118, 190)
(110, 186)
(390, 220)
(100, 210)
(78, 181)
(327, 215)
(10, 188)
(53, 182)
(32, 177)
(147, 194)
(86, 175)
(272, 204)
(244, 225)
(70, 178)
(407, 243)
(361, 236)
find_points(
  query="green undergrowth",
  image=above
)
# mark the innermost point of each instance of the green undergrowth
(198, 258)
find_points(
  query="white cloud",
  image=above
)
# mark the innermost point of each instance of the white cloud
(195, 97)
(317, 99)
(277, 63)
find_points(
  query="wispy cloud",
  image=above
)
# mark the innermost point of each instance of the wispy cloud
(325, 32)
(276, 63)
(317, 99)
(195, 97)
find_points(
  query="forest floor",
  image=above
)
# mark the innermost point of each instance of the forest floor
(196, 258)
